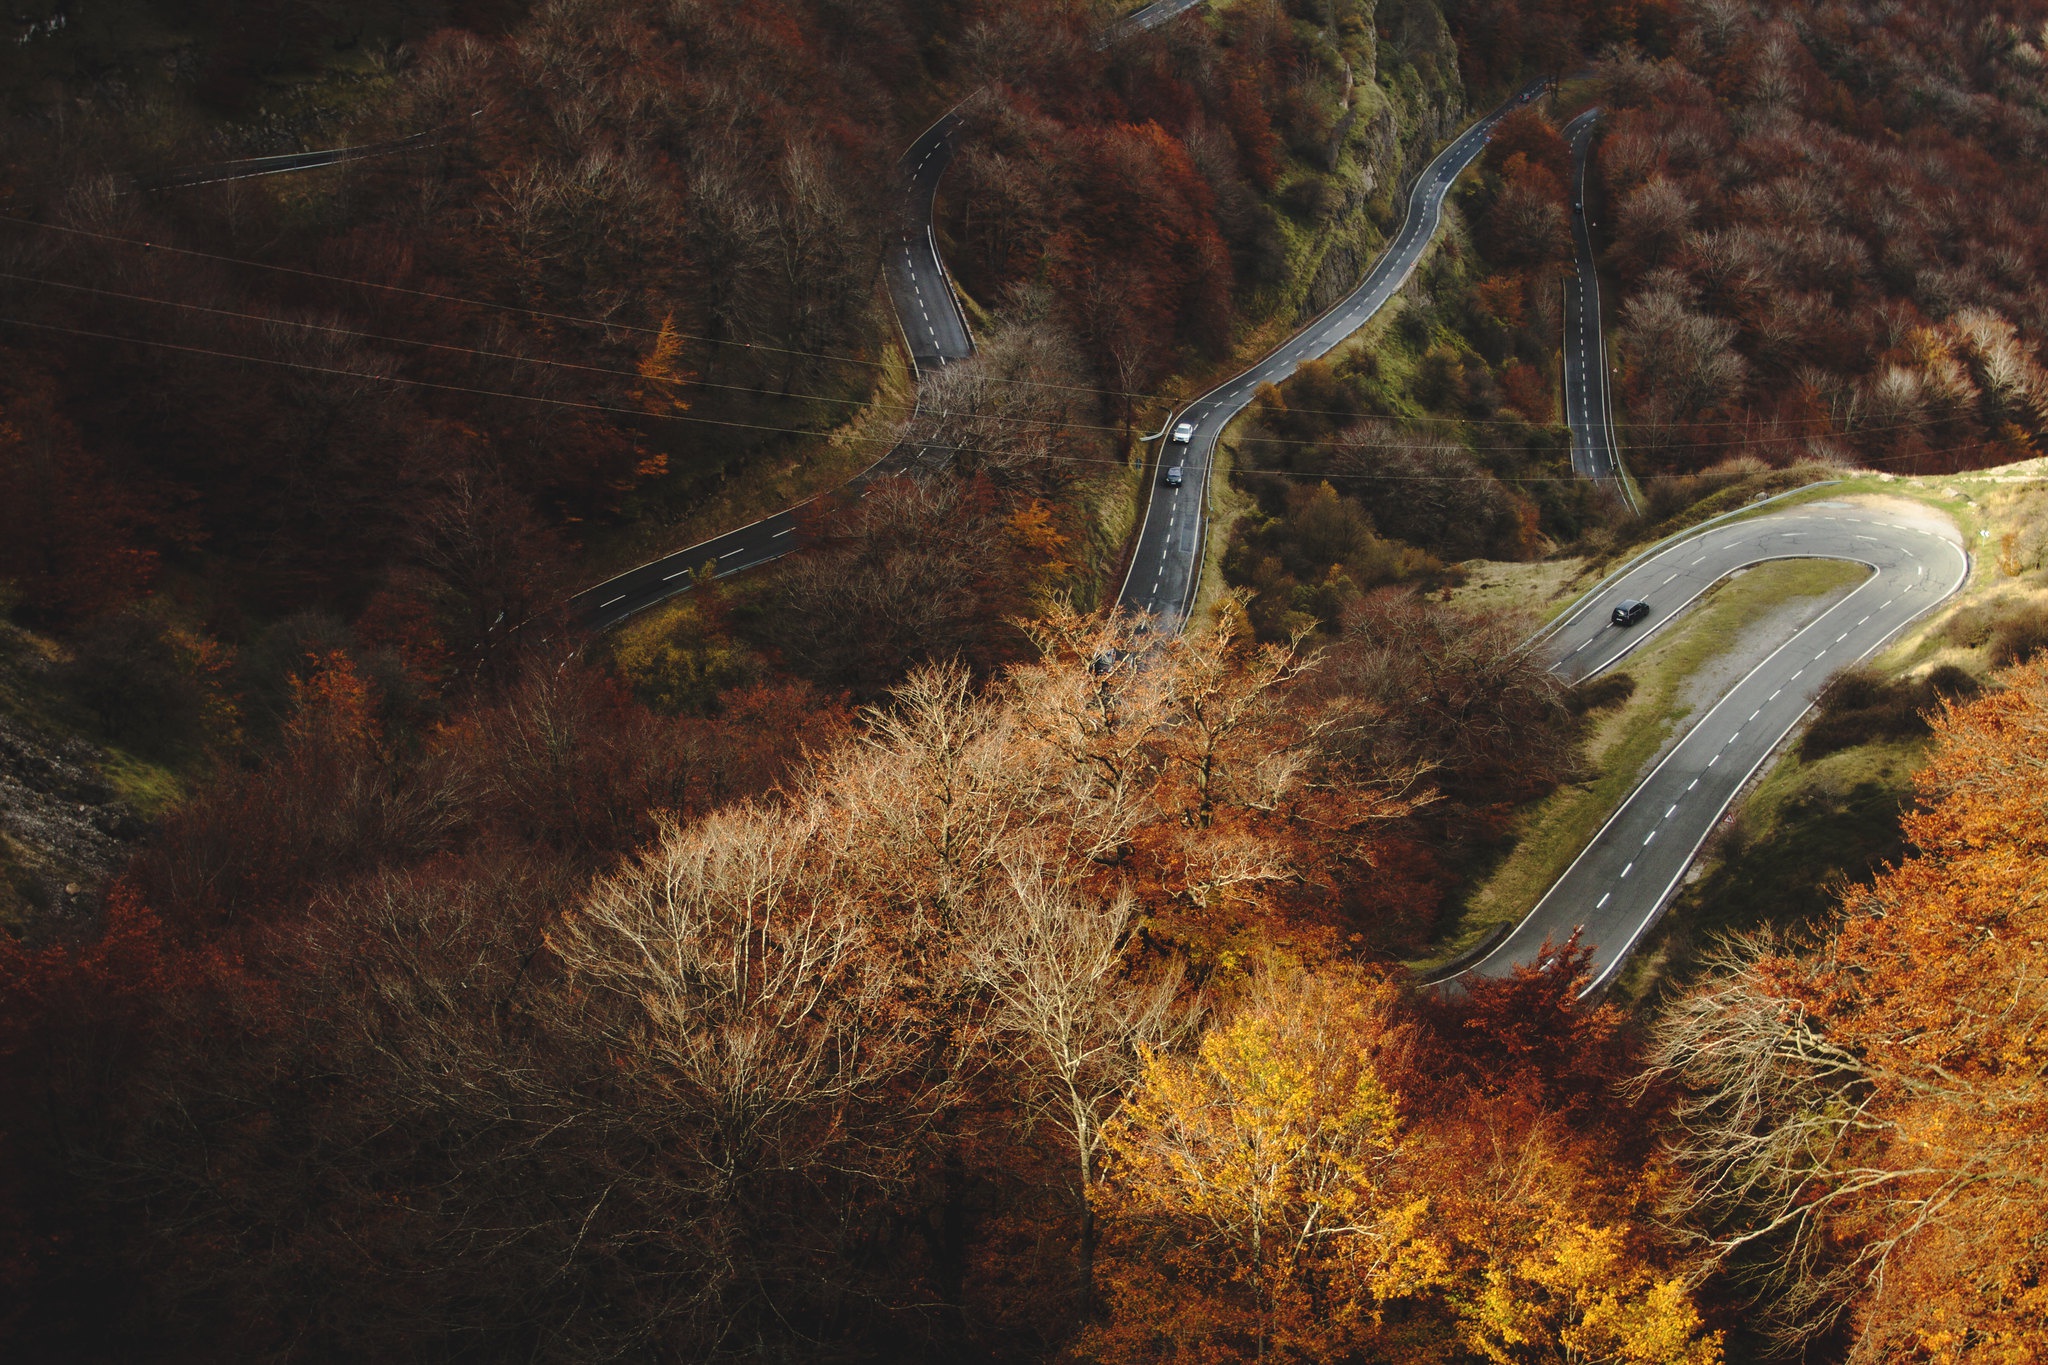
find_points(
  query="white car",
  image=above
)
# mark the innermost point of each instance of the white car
(1184, 433)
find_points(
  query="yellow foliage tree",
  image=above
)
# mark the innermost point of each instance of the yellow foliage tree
(1580, 1296)
(1253, 1193)
(662, 374)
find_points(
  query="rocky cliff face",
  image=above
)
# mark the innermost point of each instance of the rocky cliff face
(1406, 98)
(63, 827)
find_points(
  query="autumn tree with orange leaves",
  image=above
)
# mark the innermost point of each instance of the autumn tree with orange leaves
(1864, 1133)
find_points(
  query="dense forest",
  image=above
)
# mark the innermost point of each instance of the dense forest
(890, 955)
(1823, 222)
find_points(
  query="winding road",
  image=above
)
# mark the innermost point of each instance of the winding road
(1615, 888)
(1166, 566)
(1619, 883)
(1588, 410)
(934, 330)
(934, 327)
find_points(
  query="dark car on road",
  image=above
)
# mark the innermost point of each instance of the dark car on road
(1174, 475)
(1630, 611)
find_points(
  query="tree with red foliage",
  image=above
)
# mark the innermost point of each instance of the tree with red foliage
(1529, 1033)
(1862, 1130)
(75, 1017)
(69, 530)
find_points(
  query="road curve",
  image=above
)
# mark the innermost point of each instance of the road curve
(934, 325)
(1617, 885)
(1166, 565)
(934, 329)
(1588, 409)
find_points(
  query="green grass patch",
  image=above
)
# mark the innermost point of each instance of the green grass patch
(1227, 503)
(151, 789)
(1624, 742)
(1107, 513)
(1539, 589)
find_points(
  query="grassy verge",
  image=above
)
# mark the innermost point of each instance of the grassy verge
(1108, 514)
(30, 697)
(1675, 676)
(1538, 589)
(1227, 503)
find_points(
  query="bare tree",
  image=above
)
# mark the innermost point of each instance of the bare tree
(1683, 362)
(1797, 1169)
(747, 1006)
(1070, 1013)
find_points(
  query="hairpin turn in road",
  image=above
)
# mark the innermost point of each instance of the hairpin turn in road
(1621, 881)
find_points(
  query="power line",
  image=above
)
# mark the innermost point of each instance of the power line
(1115, 394)
(810, 431)
(1052, 423)
(436, 296)
(411, 383)
(269, 320)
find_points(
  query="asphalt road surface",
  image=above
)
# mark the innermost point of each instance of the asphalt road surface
(1587, 409)
(1141, 20)
(1619, 883)
(616, 599)
(1166, 566)
(934, 328)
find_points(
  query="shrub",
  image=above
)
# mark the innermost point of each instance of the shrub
(1672, 494)
(130, 673)
(1862, 706)
(1600, 694)
(1312, 199)
(2020, 635)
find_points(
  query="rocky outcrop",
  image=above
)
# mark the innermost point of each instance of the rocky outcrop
(1402, 111)
(63, 829)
